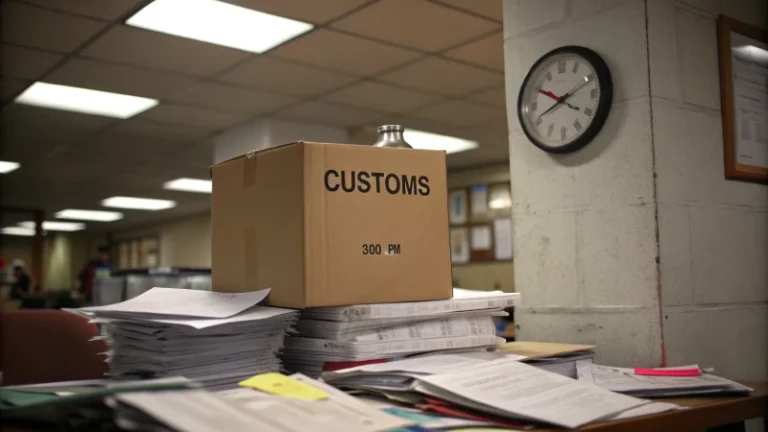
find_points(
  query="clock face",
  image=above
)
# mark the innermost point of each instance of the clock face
(565, 99)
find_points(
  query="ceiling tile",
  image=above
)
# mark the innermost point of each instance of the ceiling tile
(10, 87)
(26, 63)
(160, 51)
(347, 54)
(148, 128)
(278, 75)
(494, 133)
(40, 28)
(496, 96)
(404, 22)
(487, 8)
(227, 98)
(459, 113)
(99, 75)
(320, 112)
(17, 114)
(443, 76)
(108, 10)
(198, 117)
(312, 11)
(381, 97)
(487, 52)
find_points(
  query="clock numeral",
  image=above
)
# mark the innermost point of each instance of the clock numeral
(561, 66)
(549, 129)
(577, 126)
(588, 111)
(562, 133)
(575, 67)
(539, 121)
(533, 106)
(593, 93)
(549, 76)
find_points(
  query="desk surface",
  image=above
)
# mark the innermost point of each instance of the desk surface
(704, 412)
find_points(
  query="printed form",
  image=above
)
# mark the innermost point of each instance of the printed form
(512, 389)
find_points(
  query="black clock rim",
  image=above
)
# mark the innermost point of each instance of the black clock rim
(603, 108)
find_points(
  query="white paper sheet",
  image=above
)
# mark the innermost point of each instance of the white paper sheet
(182, 302)
(339, 412)
(502, 231)
(624, 380)
(516, 390)
(438, 328)
(255, 313)
(481, 237)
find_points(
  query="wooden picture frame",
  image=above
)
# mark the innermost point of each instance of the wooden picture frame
(740, 149)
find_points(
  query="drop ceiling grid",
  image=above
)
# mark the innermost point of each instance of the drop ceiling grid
(316, 97)
(170, 87)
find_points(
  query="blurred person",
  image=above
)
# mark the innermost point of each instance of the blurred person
(22, 284)
(95, 268)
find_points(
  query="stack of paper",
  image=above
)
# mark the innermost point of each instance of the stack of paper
(216, 339)
(496, 384)
(625, 380)
(244, 409)
(554, 357)
(333, 337)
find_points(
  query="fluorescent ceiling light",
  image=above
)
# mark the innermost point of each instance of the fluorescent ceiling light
(218, 23)
(430, 141)
(6, 167)
(189, 185)
(84, 100)
(54, 226)
(89, 215)
(18, 231)
(138, 203)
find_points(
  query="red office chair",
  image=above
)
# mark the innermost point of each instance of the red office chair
(48, 345)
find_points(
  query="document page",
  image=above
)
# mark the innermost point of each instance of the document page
(624, 380)
(340, 412)
(514, 389)
(421, 365)
(430, 329)
(182, 302)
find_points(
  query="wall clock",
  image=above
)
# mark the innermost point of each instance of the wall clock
(565, 99)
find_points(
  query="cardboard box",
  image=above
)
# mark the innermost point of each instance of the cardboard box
(332, 225)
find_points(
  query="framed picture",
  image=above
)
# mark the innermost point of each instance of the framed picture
(457, 206)
(743, 51)
(459, 245)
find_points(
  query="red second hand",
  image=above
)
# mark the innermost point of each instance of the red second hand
(549, 94)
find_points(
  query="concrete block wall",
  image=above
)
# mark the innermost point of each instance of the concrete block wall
(585, 223)
(637, 242)
(713, 232)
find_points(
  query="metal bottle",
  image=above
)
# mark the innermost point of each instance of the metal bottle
(391, 136)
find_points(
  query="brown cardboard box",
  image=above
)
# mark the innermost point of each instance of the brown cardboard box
(332, 225)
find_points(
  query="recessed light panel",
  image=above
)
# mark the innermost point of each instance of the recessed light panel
(138, 203)
(218, 23)
(190, 185)
(84, 100)
(55, 226)
(89, 215)
(6, 166)
(430, 141)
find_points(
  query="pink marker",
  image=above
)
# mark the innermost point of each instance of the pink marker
(668, 372)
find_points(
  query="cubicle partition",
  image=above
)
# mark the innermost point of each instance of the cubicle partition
(129, 283)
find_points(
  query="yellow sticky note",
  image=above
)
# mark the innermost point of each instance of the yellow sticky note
(281, 385)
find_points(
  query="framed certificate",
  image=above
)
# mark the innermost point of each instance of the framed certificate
(743, 51)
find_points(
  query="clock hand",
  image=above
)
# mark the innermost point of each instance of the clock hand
(560, 100)
(578, 86)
